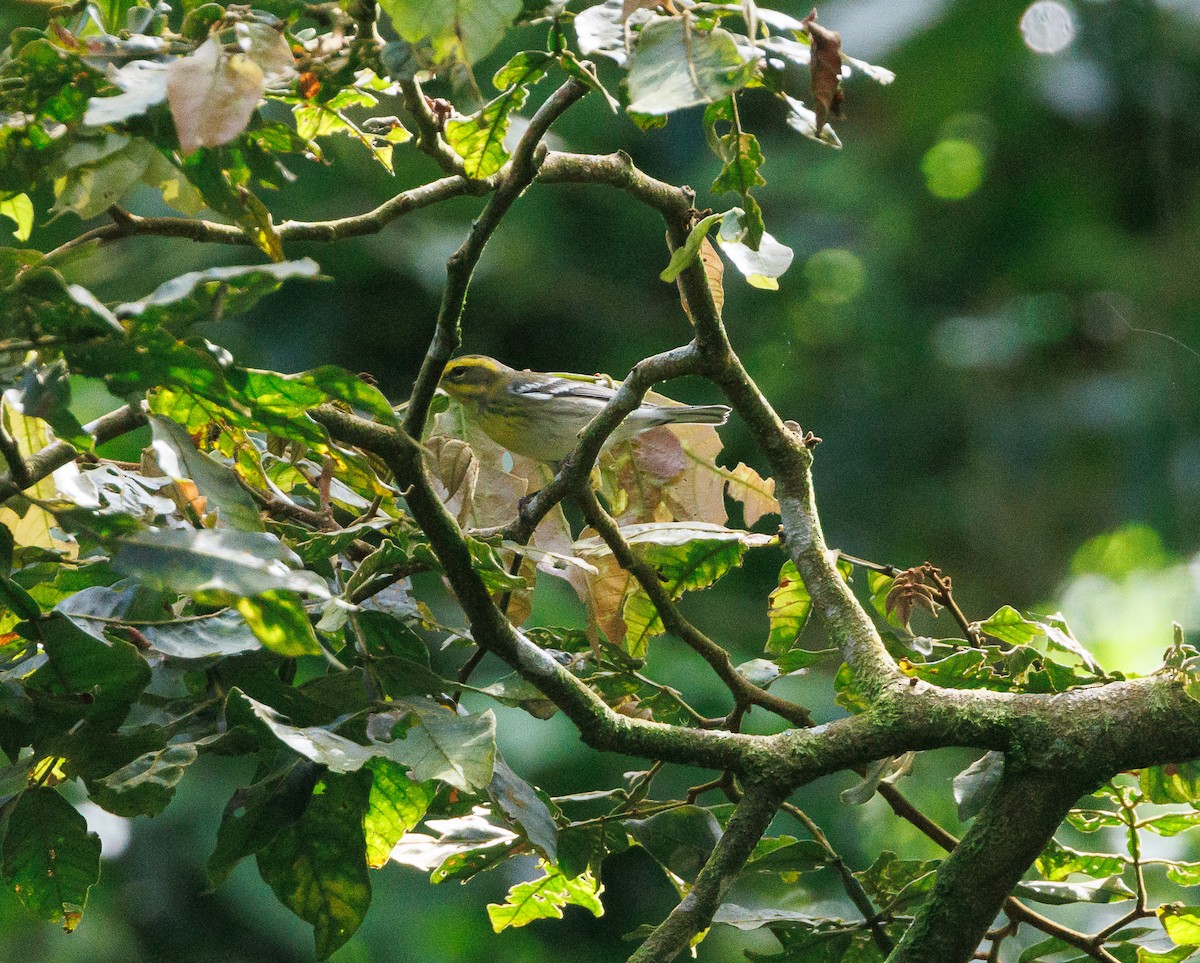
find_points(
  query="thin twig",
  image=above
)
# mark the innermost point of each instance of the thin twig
(850, 883)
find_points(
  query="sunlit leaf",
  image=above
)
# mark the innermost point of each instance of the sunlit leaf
(396, 805)
(479, 139)
(545, 898)
(675, 65)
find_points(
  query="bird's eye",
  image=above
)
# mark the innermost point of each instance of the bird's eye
(457, 374)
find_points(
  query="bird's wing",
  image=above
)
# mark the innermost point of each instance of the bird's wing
(554, 387)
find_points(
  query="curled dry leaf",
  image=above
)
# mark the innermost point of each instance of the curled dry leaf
(457, 468)
(909, 590)
(826, 70)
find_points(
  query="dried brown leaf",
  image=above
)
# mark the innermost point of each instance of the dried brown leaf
(909, 591)
(714, 269)
(632, 6)
(212, 95)
(825, 70)
(757, 494)
(606, 592)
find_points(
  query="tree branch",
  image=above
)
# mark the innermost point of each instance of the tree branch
(978, 876)
(53, 457)
(743, 690)
(517, 175)
(854, 889)
(694, 914)
(212, 232)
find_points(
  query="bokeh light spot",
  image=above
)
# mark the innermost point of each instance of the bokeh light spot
(953, 169)
(835, 276)
(1047, 26)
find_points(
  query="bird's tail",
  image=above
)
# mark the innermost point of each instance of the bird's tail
(698, 414)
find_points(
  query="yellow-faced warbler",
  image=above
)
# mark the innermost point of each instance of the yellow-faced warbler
(540, 415)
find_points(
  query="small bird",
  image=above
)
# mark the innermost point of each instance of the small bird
(540, 415)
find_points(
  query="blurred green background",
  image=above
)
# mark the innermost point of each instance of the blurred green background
(992, 321)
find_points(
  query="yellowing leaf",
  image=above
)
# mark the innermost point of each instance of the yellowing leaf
(34, 526)
(19, 209)
(757, 494)
(788, 609)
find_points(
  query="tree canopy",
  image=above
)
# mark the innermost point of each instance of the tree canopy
(303, 575)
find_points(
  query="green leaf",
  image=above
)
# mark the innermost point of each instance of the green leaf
(788, 608)
(585, 846)
(1172, 824)
(1108, 890)
(49, 857)
(743, 158)
(1176, 955)
(544, 898)
(1172, 782)
(201, 295)
(465, 845)
(466, 30)
(1184, 874)
(91, 188)
(396, 805)
(787, 857)
(318, 865)
(196, 560)
(1182, 923)
(1057, 862)
(676, 65)
(315, 743)
(190, 637)
(111, 675)
(479, 139)
(680, 839)
(14, 598)
(683, 256)
(279, 621)
(457, 750)
(257, 813)
(1044, 949)
(520, 804)
(761, 264)
(179, 458)
(145, 786)
(18, 208)
(898, 884)
(973, 786)
(1009, 625)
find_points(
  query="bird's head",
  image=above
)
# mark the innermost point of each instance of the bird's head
(473, 377)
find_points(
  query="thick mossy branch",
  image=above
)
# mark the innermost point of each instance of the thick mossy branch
(975, 880)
